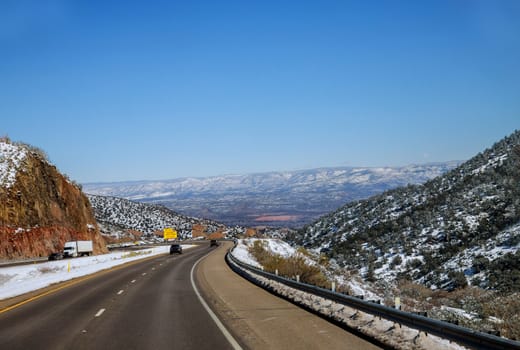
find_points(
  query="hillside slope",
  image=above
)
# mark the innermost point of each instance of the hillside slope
(460, 227)
(40, 208)
(117, 214)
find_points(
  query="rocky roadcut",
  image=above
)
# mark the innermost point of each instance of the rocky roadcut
(41, 209)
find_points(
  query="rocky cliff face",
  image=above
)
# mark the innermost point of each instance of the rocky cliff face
(40, 209)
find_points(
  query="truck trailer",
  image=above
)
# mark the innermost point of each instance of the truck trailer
(73, 249)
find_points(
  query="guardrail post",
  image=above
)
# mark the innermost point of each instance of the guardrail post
(398, 303)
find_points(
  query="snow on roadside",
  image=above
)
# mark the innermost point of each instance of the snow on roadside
(17, 280)
(275, 246)
(281, 248)
(241, 252)
(357, 287)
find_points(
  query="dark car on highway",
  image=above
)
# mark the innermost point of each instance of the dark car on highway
(175, 248)
(213, 243)
(55, 256)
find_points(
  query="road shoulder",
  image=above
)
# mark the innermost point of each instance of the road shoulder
(259, 320)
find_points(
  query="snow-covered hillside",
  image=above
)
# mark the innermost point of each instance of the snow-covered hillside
(112, 212)
(461, 227)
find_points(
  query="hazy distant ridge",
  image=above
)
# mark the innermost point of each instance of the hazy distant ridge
(302, 195)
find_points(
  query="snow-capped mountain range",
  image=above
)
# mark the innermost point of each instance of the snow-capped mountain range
(459, 228)
(289, 198)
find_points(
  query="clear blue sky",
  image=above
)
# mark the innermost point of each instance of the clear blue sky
(129, 90)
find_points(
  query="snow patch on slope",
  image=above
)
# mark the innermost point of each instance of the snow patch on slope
(11, 158)
(274, 246)
(241, 252)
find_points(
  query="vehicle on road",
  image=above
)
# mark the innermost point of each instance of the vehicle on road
(175, 248)
(214, 243)
(56, 256)
(73, 249)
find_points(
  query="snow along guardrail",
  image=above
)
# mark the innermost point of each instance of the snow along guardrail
(451, 332)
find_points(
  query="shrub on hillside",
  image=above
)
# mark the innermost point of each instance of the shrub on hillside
(290, 267)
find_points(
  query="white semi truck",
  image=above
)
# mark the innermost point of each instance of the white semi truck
(73, 249)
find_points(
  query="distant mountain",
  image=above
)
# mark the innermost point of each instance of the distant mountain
(120, 219)
(463, 226)
(290, 198)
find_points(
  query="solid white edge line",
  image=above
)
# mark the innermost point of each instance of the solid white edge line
(214, 317)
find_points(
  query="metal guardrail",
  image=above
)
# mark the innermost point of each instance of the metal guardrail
(445, 330)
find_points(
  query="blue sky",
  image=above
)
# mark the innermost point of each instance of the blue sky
(130, 90)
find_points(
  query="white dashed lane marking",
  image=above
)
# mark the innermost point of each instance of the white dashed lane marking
(100, 312)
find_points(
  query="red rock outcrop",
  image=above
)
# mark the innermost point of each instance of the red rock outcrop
(198, 230)
(216, 235)
(41, 210)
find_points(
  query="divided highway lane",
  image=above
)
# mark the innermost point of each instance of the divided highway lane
(147, 305)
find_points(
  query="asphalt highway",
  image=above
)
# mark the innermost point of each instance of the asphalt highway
(188, 301)
(147, 305)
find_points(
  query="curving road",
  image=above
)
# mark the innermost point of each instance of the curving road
(152, 304)
(148, 305)
(261, 320)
